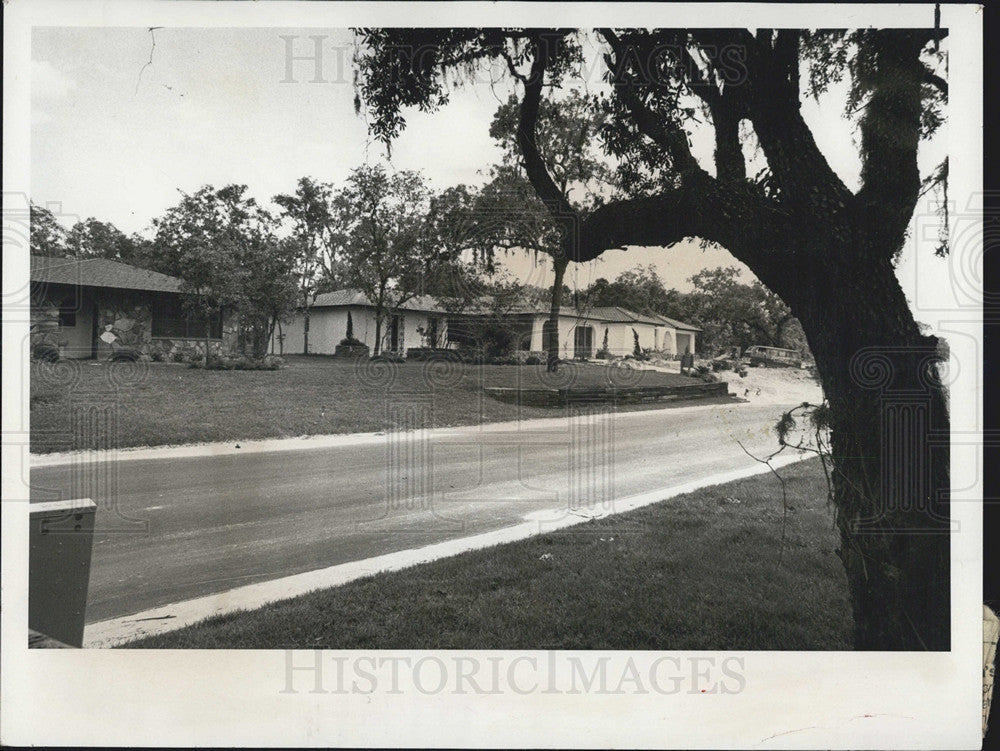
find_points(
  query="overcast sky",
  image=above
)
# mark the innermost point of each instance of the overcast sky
(116, 137)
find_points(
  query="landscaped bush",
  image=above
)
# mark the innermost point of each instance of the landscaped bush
(420, 354)
(705, 373)
(602, 354)
(239, 362)
(45, 352)
(186, 355)
(387, 357)
(126, 354)
(157, 355)
(532, 360)
(718, 365)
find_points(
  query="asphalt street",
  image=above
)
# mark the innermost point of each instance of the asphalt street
(170, 529)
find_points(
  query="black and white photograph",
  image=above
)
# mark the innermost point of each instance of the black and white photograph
(376, 373)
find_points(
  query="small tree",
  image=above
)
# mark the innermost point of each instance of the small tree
(270, 288)
(636, 349)
(562, 133)
(384, 223)
(313, 210)
(48, 237)
(349, 339)
(222, 246)
(605, 351)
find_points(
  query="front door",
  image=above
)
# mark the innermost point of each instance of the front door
(394, 334)
(583, 342)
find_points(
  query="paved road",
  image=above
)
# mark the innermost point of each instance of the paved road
(170, 529)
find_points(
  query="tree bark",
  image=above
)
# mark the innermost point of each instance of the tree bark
(890, 452)
(559, 264)
(378, 335)
(305, 324)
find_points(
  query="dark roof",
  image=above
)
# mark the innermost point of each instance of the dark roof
(678, 324)
(618, 314)
(609, 314)
(100, 272)
(342, 297)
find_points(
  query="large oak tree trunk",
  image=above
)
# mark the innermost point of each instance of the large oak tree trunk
(889, 435)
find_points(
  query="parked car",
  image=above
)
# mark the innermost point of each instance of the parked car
(773, 357)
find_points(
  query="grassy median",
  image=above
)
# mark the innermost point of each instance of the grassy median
(160, 404)
(700, 571)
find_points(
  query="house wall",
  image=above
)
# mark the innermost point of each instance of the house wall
(127, 316)
(621, 341)
(328, 326)
(123, 319)
(668, 340)
(685, 341)
(74, 342)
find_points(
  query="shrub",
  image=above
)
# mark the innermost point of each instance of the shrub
(718, 365)
(532, 360)
(126, 354)
(387, 357)
(351, 342)
(420, 354)
(45, 352)
(157, 355)
(239, 362)
(602, 354)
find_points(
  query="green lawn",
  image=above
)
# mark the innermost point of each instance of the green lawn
(168, 403)
(700, 571)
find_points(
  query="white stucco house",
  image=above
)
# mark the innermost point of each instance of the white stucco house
(582, 331)
(423, 322)
(419, 322)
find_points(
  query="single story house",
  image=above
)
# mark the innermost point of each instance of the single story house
(419, 322)
(582, 331)
(90, 307)
(656, 333)
(423, 322)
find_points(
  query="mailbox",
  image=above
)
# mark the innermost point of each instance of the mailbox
(61, 543)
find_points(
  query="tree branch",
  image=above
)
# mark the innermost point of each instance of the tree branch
(932, 78)
(668, 135)
(799, 168)
(753, 228)
(534, 165)
(890, 136)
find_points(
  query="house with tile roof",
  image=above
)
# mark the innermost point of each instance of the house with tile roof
(424, 322)
(91, 307)
(419, 322)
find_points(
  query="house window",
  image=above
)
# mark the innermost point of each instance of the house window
(67, 317)
(171, 319)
